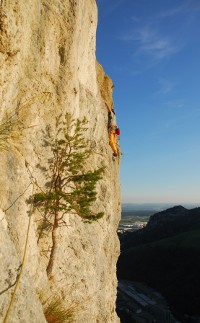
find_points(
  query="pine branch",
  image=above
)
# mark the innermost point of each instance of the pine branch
(72, 190)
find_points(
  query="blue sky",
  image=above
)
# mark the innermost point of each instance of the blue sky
(151, 50)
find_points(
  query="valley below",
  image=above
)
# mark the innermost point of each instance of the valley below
(164, 255)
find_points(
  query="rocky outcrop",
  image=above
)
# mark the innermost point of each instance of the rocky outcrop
(48, 68)
(105, 86)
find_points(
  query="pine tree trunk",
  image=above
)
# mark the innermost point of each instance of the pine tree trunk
(54, 247)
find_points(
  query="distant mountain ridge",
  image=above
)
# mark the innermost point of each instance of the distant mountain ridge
(164, 224)
(181, 218)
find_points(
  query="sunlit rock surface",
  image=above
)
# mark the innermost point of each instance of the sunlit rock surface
(48, 67)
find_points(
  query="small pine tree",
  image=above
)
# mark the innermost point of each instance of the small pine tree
(71, 189)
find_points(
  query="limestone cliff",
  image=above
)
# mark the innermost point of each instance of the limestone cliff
(48, 67)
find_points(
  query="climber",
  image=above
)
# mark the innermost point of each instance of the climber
(113, 140)
(113, 110)
(111, 119)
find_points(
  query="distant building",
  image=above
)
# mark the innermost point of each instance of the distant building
(131, 227)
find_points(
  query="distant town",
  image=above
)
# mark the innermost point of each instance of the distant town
(131, 227)
(136, 216)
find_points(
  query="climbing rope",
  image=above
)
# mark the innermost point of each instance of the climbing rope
(22, 265)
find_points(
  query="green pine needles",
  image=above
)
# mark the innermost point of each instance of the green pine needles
(70, 189)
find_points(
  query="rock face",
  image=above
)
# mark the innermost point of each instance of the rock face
(48, 68)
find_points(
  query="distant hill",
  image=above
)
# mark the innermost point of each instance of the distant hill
(166, 255)
(162, 225)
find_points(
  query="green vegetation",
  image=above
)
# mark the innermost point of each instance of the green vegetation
(70, 189)
(185, 240)
(12, 125)
(55, 312)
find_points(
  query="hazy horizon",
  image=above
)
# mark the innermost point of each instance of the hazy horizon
(129, 206)
(154, 200)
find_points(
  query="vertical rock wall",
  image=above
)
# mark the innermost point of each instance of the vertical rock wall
(48, 67)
